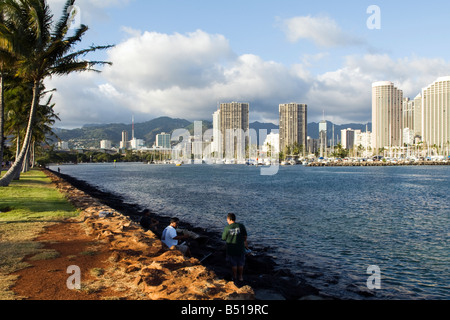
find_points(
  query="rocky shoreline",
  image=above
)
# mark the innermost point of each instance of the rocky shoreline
(377, 164)
(263, 277)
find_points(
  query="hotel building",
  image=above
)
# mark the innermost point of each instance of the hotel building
(387, 115)
(293, 125)
(435, 113)
(233, 120)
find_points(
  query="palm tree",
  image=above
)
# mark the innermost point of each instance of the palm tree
(17, 96)
(45, 119)
(6, 63)
(45, 53)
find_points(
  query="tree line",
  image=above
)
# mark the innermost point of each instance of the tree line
(33, 47)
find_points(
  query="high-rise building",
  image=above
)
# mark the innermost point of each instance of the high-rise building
(216, 146)
(435, 114)
(293, 126)
(348, 138)
(418, 117)
(387, 115)
(323, 138)
(163, 140)
(234, 128)
(124, 142)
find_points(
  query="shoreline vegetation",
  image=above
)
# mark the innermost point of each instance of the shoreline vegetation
(134, 264)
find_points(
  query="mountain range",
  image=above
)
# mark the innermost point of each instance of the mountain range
(90, 135)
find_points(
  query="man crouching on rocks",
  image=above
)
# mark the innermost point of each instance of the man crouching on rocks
(170, 238)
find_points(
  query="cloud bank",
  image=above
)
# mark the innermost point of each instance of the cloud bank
(187, 75)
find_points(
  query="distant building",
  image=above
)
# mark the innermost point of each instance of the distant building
(387, 115)
(363, 139)
(136, 144)
(323, 138)
(216, 146)
(105, 144)
(348, 138)
(436, 113)
(63, 145)
(418, 118)
(234, 129)
(313, 145)
(163, 140)
(124, 142)
(293, 125)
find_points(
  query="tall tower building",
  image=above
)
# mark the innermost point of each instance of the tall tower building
(387, 115)
(323, 137)
(234, 128)
(418, 117)
(216, 146)
(293, 125)
(435, 113)
(348, 138)
(163, 140)
(124, 142)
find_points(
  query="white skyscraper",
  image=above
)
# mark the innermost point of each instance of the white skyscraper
(293, 126)
(435, 113)
(387, 115)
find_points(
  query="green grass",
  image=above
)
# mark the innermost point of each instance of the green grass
(27, 206)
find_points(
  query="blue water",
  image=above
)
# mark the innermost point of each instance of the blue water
(326, 224)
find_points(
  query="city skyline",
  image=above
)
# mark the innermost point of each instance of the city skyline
(398, 121)
(263, 52)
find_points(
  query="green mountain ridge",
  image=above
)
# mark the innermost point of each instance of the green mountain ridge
(90, 135)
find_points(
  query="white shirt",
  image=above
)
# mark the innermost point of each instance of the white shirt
(168, 236)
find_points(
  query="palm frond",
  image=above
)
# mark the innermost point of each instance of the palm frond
(62, 26)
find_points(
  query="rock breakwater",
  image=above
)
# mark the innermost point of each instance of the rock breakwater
(141, 261)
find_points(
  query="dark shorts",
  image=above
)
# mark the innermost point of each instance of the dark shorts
(236, 261)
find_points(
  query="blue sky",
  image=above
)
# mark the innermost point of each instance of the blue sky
(181, 58)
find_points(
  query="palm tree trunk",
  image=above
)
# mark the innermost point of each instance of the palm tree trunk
(17, 167)
(2, 120)
(26, 161)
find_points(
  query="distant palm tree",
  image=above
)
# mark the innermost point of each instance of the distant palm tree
(44, 51)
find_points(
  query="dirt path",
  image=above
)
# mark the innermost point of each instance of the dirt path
(47, 278)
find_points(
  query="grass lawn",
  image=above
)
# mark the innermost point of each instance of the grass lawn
(26, 207)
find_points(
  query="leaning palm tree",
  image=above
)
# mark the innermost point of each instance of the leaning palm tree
(47, 51)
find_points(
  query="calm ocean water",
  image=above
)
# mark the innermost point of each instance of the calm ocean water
(327, 224)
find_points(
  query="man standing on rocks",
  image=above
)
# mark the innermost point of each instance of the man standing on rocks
(235, 236)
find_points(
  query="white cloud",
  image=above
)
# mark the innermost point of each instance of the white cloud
(186, 75)
(323, 31)
(160, 61)
(345, 94)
